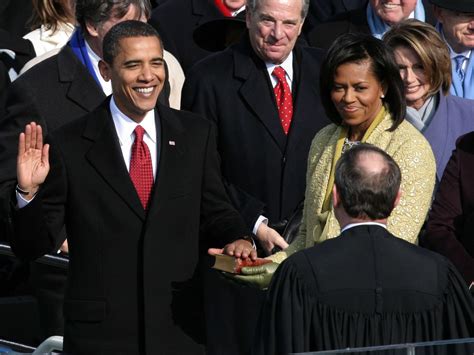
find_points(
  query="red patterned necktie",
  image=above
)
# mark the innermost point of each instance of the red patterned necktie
(141, 169)
(283, 98)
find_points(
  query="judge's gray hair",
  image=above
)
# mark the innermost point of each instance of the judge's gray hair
(252, 6)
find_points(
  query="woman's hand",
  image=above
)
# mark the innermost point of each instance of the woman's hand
(33, 160)
(269, 238)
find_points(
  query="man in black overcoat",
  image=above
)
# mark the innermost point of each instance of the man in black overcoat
(262, 161)
(131, 247)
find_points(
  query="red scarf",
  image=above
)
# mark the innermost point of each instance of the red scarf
(222, 8)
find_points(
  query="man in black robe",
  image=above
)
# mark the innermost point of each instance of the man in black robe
(366, 287)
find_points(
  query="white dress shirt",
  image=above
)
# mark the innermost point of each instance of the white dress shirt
(352, 225)
(124, 126)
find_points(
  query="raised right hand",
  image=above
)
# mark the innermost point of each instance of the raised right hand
(33, 159)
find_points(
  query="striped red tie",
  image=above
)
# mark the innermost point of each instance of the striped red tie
(284, 99)
(141, 169)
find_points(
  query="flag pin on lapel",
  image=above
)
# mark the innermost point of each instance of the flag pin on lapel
(173, 143)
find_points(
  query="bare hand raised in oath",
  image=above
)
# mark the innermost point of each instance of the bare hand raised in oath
(32, 165)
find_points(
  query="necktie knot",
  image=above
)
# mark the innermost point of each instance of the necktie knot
(139, 132)
(459, 59)
(279, 73)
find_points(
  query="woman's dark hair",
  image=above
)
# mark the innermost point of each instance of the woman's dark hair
(357, 48)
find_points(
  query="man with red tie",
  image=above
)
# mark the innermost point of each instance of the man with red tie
(263, 95)
(133, 185)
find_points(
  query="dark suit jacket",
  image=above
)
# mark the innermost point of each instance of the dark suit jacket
(176, 21)
(450, 225)
(321, 11)
(265, 168)
(354, 21)
(451, 120)
(363, 288)
(126, 266)
(52, 93)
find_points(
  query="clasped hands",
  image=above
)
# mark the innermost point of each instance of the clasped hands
(258, 276)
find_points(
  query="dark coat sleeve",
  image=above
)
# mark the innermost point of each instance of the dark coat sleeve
(20, 110)
(199, 96)
(285, 324)
(447, 230)
(37, 228)
(219, 220)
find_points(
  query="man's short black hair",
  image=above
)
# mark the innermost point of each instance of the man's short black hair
(125, 29)
(367, 194)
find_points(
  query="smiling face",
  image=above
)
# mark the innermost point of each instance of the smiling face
(356, 94)
(274, 28)
(458, 28)
(137, 74)
(413, 75)
(393, 11)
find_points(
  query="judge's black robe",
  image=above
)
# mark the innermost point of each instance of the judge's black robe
(364, 288)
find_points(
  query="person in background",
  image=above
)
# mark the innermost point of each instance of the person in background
(425, 67)
(321, 11)
(52, 24)
(375, 18)
(364, 96)
(366, 287)
(176, 21)
(450, 226)
(456, 26)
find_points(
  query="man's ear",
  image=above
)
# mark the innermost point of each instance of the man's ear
(397, 199)
(335, 197)
(104, 69)
(248, 18)
(91, 29)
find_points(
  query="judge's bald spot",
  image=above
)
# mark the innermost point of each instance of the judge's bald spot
(367, 180)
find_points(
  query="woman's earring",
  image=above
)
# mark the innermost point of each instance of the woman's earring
(382, 96)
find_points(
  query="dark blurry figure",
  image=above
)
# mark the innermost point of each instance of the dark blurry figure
(321, 11)
(450, 226)
(176, 21)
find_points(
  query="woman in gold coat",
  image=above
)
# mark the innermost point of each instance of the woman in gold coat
(363, 94)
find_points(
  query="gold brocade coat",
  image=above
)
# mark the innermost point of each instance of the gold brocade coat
(406, 146)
